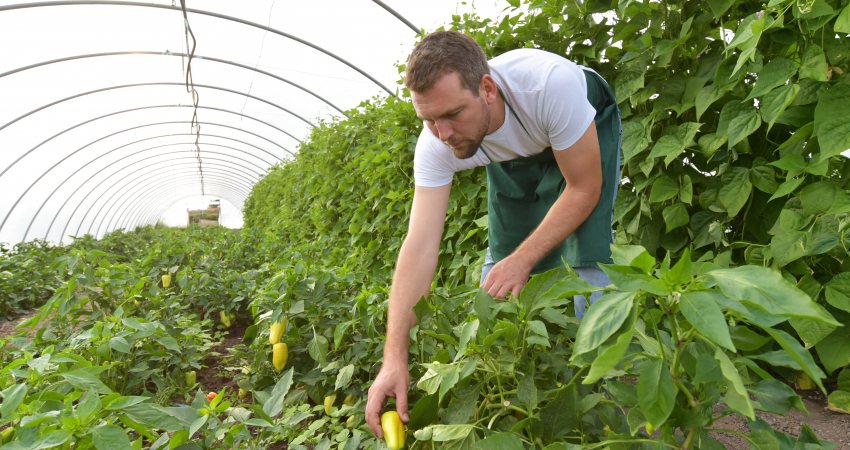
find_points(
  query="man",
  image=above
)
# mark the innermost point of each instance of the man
(548, 132)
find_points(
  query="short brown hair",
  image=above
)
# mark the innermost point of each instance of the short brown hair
(442, 52)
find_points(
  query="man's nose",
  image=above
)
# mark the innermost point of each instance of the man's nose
(444, 130)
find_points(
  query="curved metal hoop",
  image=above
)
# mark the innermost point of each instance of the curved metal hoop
(124, 195)
(104, 180)
(120, 190)
(146, 195)
(206, 13)
(159, 83)
(27, 153)
(15, 204)
(205, 58)
(148, 216)
(145, 214)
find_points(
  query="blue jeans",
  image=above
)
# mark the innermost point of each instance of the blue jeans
(593, 275)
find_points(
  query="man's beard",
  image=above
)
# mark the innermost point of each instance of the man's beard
(468, 151)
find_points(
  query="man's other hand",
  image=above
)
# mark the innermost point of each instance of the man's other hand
(507, 276)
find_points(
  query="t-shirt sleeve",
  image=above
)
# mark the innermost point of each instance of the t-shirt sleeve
(566, 110)
(432, 165)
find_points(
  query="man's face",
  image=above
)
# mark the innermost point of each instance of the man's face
(454, 114)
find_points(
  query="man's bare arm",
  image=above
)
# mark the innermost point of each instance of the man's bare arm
(417, 262)
(581, 165)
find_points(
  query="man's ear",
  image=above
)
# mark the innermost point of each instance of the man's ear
(488, 89)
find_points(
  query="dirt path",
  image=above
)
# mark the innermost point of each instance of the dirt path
(826, 424)
(7, 327)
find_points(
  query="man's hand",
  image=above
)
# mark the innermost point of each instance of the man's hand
(392, 381)
(508, 275)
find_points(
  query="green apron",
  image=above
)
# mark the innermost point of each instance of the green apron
(521, 191)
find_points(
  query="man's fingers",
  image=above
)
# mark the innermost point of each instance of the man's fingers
(401, 404)
(373, 411)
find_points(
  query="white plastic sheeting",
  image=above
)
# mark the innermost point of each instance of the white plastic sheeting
(102, 140)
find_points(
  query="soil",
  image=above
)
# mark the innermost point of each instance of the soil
(213, 377)
(826, 424)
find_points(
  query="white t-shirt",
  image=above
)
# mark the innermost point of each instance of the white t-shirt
(549, 95)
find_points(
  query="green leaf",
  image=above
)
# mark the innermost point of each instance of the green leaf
(656, 392)
(838, 291)
(668, 146)
(776, 73)
(816, 198)
(814, 64)
(109, 437)
(843, 379)
(12, 398)
(611, 353)
(742, 126)
(799, 354)
(634, 139)
(786, 188)
(169, 343)
(703, 313)
(686, 193)
(736, 393)
(634, 256)
(788, 246)
(831, 124)
(561, 415)
(776, 102)
(705, 97)
(776, 397)
(602, 320)
(709, 143)
(627, 84)
(839, 401)
(764, 179)
(85, 380)
(770, 291)
(274, 405)
(443, 433)
(675, 216)
(735, 189)
(842, 23)
(811, 331)
(501, 441)
(719, 7)
(632, 279)
(343, 378)
(664, 188)
(468, 331)
(834, 351)
(424, 412)
(778, 358)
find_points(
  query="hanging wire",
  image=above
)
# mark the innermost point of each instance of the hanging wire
(190, 87)
(259, 57)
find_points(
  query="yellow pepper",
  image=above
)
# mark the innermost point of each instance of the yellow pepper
(393, 430)
(804, 382)
(279, 355)
(166, 280)
(329, 403)
(190, 377)
(276, 331)
(7, 435)
(224, 318)
(350, 399)
(351, 422)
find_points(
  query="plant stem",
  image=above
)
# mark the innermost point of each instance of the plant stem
(689, 440)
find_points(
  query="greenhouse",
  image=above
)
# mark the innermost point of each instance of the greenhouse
(385, 224)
